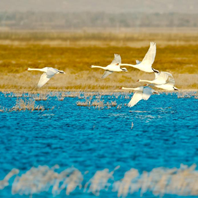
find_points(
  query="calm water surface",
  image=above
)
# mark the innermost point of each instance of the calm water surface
(160, 132)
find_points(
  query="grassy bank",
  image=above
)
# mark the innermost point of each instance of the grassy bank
(75, 54)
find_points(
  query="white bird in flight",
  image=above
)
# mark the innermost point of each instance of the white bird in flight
(146, 64)
(163, 80)
(49, 72)
(141, 93)
(113, 67)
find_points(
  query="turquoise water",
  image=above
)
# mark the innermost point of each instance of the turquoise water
(160, 132)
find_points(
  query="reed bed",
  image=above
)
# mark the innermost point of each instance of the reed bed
(22, 105)
(158, 181)
(98, 100)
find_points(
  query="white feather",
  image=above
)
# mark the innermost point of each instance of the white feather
(106, 73)
(141, 93)
(113, 67)
(43, 79)
(49, 72)
(117, 59)
(137, 96)
(146, 64)
(149, 58)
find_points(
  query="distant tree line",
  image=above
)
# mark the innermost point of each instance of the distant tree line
(72, 21)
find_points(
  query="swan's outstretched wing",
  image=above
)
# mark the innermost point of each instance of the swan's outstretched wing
(147, 92)
(106, 73)
(138, 62)
(137, 96)
(117, 59)
(161, 78)
(150, 55)
(170, 80)
(43, 79)
(164, 78)
(51, 71)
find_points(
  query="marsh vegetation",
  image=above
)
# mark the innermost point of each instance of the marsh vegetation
(75, 53)
(160, 181)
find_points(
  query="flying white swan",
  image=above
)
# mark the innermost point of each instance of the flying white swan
(49, 72)
(140, 93)
(113, 67)
(163, 80)
(148, 60)
(160, 78)
(169, 85)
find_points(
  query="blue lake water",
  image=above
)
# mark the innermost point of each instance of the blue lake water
(160, 132)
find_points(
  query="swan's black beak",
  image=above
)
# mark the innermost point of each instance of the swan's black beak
(175, 88)
(156, 92)
(155, 70)
(124, 69)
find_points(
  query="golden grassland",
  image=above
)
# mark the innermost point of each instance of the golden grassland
(76, 52)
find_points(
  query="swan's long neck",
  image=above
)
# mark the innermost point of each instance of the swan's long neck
(128, 88)
(123, 64)
(95, 66)
(34, 69)
(147, 81)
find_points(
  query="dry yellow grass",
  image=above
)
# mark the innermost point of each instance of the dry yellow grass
(75, 53)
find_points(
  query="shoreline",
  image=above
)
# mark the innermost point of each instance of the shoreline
(86, 91)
